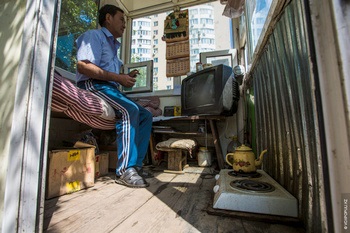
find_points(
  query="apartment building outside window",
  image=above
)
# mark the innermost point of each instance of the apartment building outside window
(256, 17)
(209, 30)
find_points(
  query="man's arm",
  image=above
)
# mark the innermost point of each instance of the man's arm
(91, 70)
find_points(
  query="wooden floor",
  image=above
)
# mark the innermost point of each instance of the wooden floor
(172, 203)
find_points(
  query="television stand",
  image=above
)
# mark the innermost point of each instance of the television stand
(212, 123)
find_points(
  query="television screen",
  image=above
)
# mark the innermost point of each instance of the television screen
(200, 91)
(212, 91)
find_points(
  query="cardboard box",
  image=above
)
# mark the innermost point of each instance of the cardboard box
(101, 164)
(70, 169)
(113, 159)
(113, 156)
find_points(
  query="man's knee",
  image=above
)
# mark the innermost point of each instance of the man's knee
(133, 110)
(149, 116)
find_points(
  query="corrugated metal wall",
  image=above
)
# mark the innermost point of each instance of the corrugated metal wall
(286, 115)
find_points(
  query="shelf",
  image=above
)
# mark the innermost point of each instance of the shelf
(187, 118)
(212, 123)
(182, 133)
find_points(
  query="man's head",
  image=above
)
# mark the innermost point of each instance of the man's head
(112, 18)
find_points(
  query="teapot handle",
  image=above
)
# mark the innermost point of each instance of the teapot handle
(227, 156)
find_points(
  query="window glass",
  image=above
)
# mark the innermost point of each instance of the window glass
(209, 30)
(257, 11)
(76, 17)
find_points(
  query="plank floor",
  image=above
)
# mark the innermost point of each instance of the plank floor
(172, 203)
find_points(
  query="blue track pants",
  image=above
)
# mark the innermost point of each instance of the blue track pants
(133, 126)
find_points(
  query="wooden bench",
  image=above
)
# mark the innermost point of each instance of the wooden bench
(177, 160)
(177, 149)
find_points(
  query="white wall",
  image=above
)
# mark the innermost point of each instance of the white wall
(331, 31)
(11, 26)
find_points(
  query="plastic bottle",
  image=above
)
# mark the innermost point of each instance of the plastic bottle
(199, 66)
(204, 157)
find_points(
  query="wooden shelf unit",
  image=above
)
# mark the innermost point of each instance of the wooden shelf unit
(214, 135)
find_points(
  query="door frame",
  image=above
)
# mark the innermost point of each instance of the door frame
(26, 173)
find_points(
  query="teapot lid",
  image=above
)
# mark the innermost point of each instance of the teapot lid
(243, 148)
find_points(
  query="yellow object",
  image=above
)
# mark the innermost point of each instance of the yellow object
(177, 111)
(72, 186)
(73, 155)
(244, 159)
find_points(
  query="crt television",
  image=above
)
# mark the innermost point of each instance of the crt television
(212, 91)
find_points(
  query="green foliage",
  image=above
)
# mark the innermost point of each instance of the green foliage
(141, 79)
(76, 17)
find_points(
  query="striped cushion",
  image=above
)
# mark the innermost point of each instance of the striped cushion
(81, 105)
(90, 120)
(57, 106)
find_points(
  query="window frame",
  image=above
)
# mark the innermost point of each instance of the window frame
(149, 76)
(253, 54)
(220, 53)
(125, 54)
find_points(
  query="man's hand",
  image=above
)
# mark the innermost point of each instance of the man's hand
(134, 73)
(126, 80)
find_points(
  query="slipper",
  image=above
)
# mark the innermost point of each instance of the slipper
(132, 179)
(145, 174)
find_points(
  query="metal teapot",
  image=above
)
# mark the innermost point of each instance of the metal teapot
(244, 159)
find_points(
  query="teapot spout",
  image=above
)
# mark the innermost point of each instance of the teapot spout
(259, 160)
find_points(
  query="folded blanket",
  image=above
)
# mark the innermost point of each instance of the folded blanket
(151, 103)
(186, 144)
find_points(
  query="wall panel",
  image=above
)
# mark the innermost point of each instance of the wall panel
(286, 114)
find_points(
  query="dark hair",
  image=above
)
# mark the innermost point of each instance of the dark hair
(107, 9)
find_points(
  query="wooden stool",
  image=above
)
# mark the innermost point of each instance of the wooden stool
(176, 160)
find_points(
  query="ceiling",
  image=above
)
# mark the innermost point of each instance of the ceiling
(136, 8)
